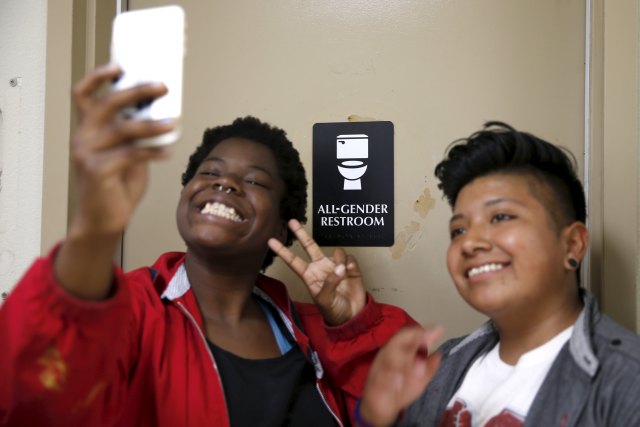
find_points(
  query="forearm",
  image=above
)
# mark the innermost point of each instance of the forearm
(84, 265)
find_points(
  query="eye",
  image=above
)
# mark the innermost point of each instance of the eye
(258, 179)
(501, 217)
(257, 183)
(209, 172)
(455, 232)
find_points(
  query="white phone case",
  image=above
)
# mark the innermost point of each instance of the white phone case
(149, 46)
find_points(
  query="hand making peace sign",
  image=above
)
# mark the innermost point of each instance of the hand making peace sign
(335, 282)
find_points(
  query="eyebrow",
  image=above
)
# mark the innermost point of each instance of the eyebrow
(491, 202)
(218, 159)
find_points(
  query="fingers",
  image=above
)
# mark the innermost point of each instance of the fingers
(339, 256)
(431, 336)
(331, 282)
(406, 345)
(118, 132)
(353, 269)
(107, 163)
(426, 360)
(405, 355)
(100, 123)
(115, 101)
(349, 261)
(294, 262)
(406, 351)
(346, 265)
(309, 245)
(84, 92)
(399, 374)
(85, 89)
(334, 277)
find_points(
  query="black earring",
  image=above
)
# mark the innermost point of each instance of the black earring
(573, 263)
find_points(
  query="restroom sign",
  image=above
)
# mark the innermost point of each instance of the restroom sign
(353, 184)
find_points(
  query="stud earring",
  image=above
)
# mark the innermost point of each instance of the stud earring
(573, 263)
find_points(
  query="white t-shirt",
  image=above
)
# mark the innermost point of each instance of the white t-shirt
(495, 393)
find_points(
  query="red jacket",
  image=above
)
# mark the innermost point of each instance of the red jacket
(139, 359)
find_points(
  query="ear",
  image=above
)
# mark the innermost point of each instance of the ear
(576, 240)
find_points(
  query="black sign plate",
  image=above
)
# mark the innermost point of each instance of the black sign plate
(353, 184)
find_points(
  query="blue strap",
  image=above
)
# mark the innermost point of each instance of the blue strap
(281, 338)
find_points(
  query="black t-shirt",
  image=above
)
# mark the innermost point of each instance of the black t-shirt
(271, 392)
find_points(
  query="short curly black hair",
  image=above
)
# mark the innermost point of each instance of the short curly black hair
(499, 148)
(292, 172)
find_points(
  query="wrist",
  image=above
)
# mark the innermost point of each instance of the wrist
(84, 266)
(85, 233)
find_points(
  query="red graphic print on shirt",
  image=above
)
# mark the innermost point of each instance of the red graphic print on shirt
(460, 416)
(456, 416)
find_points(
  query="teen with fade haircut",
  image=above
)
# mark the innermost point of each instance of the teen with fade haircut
(547, 356)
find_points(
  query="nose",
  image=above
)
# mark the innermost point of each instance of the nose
(227, 190)
(227, 184)
(475, 240)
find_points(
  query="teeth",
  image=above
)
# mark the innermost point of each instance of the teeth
(218, 209)
(484, 269)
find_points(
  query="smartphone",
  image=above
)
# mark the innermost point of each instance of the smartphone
(149, 46)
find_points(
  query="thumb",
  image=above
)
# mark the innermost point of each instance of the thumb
(353, 269)
(330, 284)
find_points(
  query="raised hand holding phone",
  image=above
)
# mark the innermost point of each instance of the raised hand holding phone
(110, 175)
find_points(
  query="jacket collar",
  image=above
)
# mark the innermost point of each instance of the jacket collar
(580, 342)
(267, 288)
(178, 285)
(270, 290)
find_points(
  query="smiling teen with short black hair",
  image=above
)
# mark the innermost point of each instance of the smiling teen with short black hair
(200, 338)
(547, 356)
(294, 200)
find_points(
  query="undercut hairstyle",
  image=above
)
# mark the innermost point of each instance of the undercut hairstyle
(500, 149)
(294, 201)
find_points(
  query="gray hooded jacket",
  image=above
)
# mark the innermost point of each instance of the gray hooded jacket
(594, 381)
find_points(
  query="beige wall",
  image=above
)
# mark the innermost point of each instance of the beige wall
(437, 70)
(621, 124)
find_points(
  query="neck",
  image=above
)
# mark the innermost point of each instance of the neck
(525, 331)
(223, 290)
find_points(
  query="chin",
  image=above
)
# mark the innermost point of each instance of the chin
(485, 304)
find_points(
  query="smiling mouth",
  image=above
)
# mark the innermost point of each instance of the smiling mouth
(222, 211)
(486, 268)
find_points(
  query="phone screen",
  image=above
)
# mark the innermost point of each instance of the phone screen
(148, 44)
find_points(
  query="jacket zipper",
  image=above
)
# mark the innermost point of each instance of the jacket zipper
(327, 405)
(213, 360)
